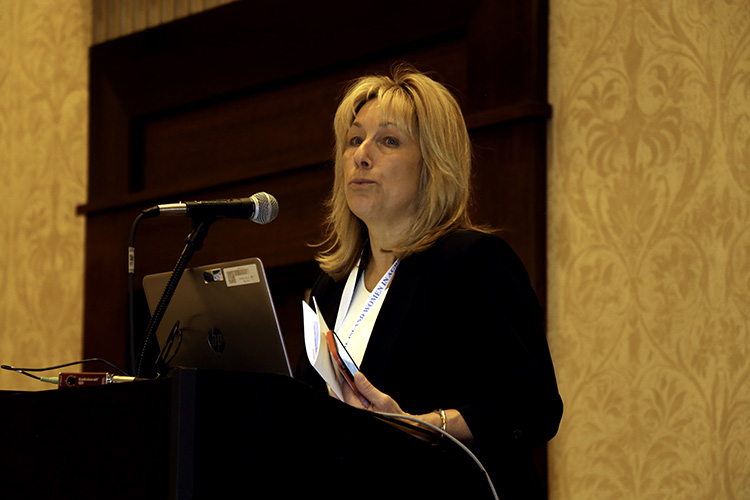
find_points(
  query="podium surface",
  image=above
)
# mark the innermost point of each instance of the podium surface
(216, 435)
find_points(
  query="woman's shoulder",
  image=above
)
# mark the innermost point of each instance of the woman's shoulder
(471, 240)
(473, 251)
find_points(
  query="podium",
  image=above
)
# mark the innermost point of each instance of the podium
(216, 435)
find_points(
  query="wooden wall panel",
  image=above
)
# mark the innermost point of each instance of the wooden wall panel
(240, 98)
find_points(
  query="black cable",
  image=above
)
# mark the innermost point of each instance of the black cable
(23, 371)
(168, 351)
(396, 418)
(131, 291)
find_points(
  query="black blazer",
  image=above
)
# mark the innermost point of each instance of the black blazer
(461, 328)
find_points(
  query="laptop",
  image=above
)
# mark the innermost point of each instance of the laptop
(221, 317)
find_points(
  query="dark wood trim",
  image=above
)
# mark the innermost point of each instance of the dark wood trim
(239, 99)
(488, 118)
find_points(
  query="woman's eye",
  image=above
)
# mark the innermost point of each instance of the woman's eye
(391, 141)
(355, 141)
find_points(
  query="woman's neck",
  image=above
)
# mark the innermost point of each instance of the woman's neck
(380, 260)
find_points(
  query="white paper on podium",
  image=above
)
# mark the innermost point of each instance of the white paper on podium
(317, 348)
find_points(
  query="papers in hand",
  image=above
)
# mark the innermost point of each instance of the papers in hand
(318, 350)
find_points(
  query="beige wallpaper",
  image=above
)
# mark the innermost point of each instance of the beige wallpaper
(649, 227)
(115, 18)
(43, 151)
(649, 248)
(43, 167)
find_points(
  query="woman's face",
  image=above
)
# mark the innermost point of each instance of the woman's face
(381, 166)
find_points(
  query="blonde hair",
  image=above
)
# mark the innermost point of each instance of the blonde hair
(429, 114)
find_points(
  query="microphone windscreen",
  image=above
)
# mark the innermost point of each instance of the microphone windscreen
(267, 208)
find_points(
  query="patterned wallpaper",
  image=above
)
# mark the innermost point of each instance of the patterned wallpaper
(43, 168)
(649, 248)
(649, 227)
(115, 18)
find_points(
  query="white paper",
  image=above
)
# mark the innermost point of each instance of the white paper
(317, 348)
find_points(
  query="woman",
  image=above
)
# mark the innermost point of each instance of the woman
(439, 315)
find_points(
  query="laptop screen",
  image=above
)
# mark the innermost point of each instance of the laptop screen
(221, 317)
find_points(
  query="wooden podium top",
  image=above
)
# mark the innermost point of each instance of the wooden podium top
(212, 435)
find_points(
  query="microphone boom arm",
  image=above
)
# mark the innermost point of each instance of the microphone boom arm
(193, 243)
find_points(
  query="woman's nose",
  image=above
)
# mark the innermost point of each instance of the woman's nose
(363, 155)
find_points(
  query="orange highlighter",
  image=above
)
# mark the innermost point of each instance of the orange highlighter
(343, 367)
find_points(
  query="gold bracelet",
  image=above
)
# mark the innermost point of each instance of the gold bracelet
(443, 424)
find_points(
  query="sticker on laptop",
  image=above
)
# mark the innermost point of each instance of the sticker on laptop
(241, 275)
(212, 276)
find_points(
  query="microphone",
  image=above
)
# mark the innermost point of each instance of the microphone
(260, 207)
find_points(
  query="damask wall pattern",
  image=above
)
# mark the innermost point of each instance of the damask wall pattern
(649, 227)
(43, 168)
(649, 248)
(116, 18)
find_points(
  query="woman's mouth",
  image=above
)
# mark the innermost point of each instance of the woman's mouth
(361, 182)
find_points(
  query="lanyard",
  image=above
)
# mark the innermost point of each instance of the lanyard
(348, 294)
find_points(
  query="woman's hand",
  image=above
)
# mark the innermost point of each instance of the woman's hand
(379, 401)
(383, 403)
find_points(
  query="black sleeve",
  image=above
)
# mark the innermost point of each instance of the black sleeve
(462, 328)
(516, 401)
